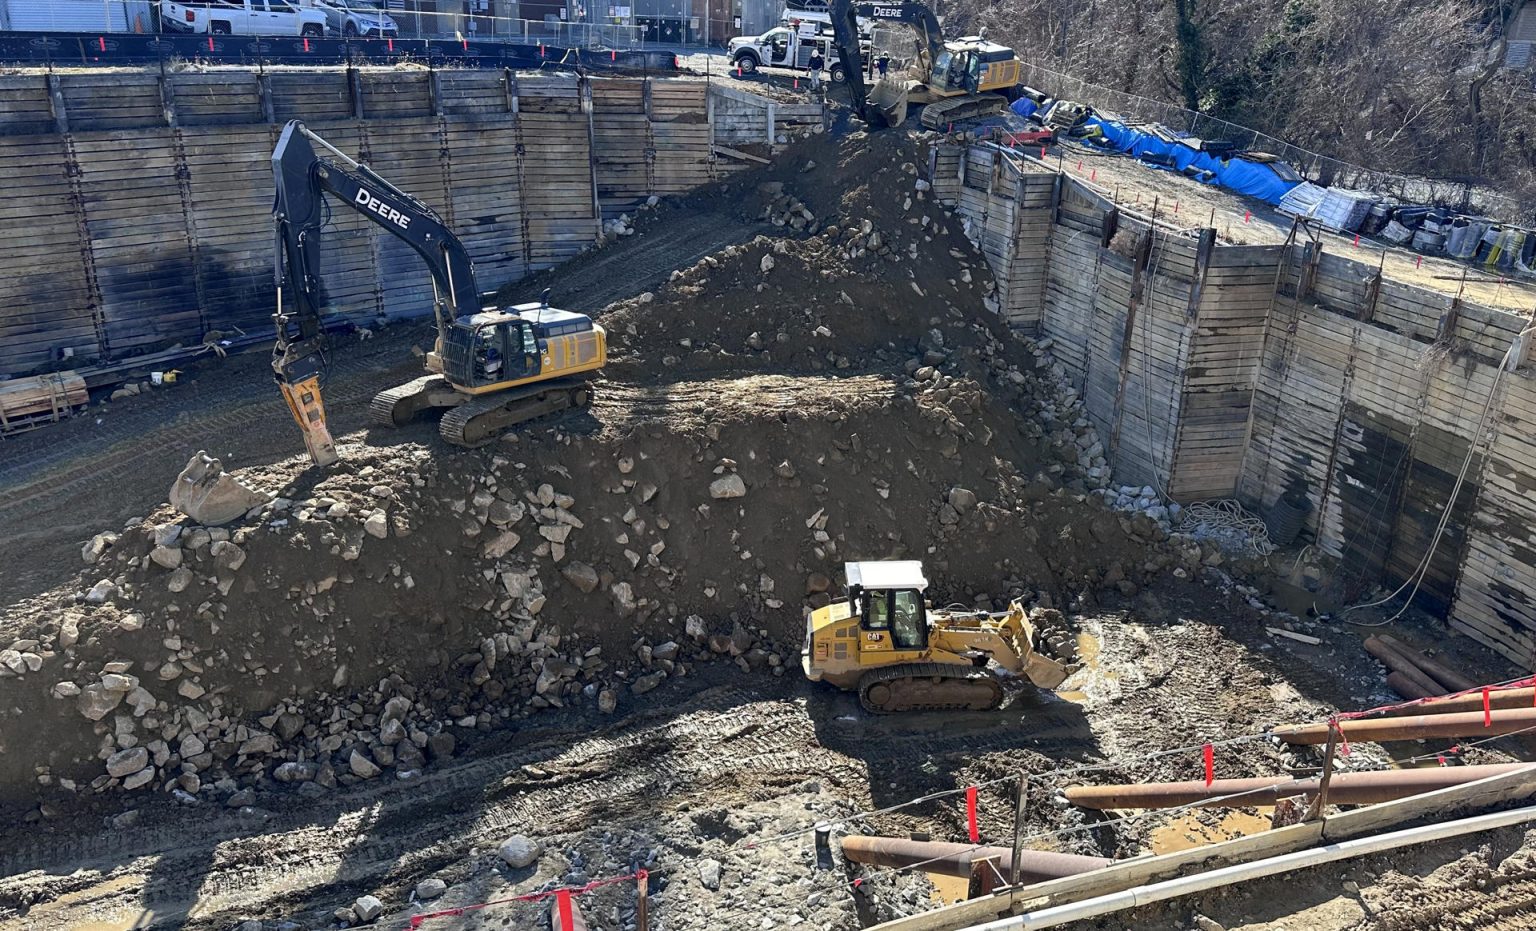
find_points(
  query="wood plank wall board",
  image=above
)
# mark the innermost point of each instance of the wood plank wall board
(159, 192)
(484, 181)
(228, 207)
(47, 290)
(1365, 393)
(1496, 595)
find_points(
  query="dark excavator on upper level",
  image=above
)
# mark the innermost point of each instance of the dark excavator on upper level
(491, 368)
(956, 80)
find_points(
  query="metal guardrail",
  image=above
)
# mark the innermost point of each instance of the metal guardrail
(143, 17)
(36, 49)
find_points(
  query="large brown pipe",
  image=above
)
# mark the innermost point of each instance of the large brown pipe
(1408, 687)
(1403, 666)
(1441, 673)
(1343, 789)
(1497, 699)
(958, 859)
(1455, 724)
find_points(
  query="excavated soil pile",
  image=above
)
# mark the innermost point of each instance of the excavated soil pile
(783, 406)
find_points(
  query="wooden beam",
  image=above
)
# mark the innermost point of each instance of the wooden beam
(1138, 283)
(56, 105)
(738, 154)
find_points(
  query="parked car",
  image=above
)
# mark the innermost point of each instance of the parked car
(357, 18)
(242, 18)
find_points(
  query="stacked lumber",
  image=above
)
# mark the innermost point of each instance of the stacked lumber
(30, 402)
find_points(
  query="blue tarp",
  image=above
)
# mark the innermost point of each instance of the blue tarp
(1025, 107)
(1256, 179)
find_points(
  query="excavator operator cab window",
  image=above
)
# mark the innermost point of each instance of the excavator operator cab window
(900, 612)
(505, 351)
(973, 73)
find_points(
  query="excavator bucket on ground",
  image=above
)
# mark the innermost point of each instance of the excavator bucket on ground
(209, 495)
(889, 98)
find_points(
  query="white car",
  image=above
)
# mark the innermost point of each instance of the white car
(242, 18)
(357, 18)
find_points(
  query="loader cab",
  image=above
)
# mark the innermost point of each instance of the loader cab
(887, 597)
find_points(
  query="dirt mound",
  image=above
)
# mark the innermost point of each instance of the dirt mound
(838, 392)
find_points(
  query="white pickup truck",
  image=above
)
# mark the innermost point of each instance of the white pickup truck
(784, 47)
(243, 18)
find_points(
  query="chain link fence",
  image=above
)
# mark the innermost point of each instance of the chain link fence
(1464, 195)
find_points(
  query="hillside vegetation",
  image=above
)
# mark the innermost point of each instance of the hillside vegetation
(1410, 86)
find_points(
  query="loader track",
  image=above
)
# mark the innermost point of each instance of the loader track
(948, 687)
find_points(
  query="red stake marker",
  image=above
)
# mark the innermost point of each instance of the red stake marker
(1487, 710)
(1357, 240)
(1247, 216)
(102, 42)
(210, 43)
(1042, 153)
(306, 44)
(1418, 261)
(613, 55)
(1209, 752)
(970, 814)
(1175, 206)
(391, 45)
(563, 905)
(1094, 175)
(1079, 164)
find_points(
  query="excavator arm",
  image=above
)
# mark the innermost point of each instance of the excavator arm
(303, 176)
(845, 15)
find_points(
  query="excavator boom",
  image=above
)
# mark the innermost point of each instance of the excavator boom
(303, 177)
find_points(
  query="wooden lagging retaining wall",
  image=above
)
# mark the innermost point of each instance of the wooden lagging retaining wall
(1218, 371)
(140, 204)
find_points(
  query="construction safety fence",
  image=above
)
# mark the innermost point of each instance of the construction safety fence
(1467, 195)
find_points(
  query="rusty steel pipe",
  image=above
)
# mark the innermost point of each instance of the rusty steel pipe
(1436, 670)
(1498, 699)
(1454, 724)
(1344, 789)
(1403, 666)
(1408, 687)
(959, 859)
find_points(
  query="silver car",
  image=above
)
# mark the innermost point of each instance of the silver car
(357, 18)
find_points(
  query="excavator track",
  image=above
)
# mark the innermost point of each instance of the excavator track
(929, 687)
(398, 406)
(939, 114)
(484, 418)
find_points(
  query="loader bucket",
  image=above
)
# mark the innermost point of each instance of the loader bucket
(209, 495)
(1043, 671)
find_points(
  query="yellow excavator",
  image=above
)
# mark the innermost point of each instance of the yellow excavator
(955, 80)
(489, 368)
(899, 654)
